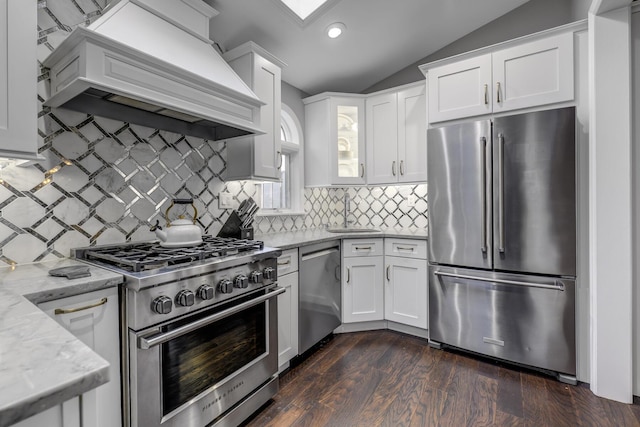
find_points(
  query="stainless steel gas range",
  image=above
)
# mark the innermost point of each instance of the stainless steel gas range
(199, 329)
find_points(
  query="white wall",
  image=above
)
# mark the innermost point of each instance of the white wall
(635, 46)
(531, 17)
(610, 202)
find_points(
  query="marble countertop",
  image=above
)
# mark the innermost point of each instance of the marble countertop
(295, 239)
(41, 363)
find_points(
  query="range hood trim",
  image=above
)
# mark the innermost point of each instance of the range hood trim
(87, 60)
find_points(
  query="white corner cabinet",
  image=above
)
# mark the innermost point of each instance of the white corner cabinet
(334, 150)
(257, 157)
(362, 282)
(287, 308)
(396, 135)
(520, 75)
(405, 293)
(18, 84)
(93, 318)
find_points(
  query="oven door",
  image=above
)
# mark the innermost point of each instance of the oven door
(190, 371)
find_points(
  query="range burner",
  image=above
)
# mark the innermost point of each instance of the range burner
(137, 257)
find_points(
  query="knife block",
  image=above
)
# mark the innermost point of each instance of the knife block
(233, 228)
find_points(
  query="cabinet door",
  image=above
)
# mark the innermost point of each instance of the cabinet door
(536, 73)
(382, 139)
(460, 89)
(346, 124)
(66, 414)
(287, 319)
(362, 289)
(412, 134)
(267, 87)
(406, 291)
(93, 318)
(18, 81)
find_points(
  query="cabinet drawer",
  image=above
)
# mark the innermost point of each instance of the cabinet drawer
(407, 248)
(362, 247)
(288, 262)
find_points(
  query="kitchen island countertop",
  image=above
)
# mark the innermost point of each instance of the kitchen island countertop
(296, 239)
(41, 363)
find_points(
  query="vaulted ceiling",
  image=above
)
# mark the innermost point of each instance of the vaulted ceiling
(381, 37)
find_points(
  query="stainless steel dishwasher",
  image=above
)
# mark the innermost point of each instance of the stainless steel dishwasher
(319, 292)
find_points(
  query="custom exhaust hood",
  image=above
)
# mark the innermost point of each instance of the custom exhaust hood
(150, 62)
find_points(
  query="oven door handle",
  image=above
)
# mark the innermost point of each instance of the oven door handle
(146, 343)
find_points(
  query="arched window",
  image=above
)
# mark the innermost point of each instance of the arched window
(285, 197)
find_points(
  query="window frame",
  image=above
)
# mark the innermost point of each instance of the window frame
(294, 148)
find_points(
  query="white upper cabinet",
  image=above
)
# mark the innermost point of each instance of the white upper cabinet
(525, 75)
(334, 140)
(536, 73)
(461, 89)
(397, 136)
(260, 156)
(18, 81)
(382, 138)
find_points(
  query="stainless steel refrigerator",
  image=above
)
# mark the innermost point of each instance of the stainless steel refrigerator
(502, 238)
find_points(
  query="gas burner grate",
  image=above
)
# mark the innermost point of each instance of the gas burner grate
(136, 257)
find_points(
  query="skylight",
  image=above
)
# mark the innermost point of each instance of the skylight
(303, 8)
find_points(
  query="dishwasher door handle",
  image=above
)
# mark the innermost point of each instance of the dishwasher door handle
(318, 254)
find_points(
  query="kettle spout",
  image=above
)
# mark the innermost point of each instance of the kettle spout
(160, 234)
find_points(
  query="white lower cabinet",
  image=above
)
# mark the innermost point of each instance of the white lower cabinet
(362, 284)
(287, 308)
(66, 414)
(405, 292)
(93, 318)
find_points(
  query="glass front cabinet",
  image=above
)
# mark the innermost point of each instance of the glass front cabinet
(334, 140)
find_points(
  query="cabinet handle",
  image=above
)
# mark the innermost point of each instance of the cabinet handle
(388, 277)
(404, 248)
(361, 170)
(287, 262)
(393, 168)
(75, 310)
(498, 93)
(348, 275)
(362, 248)
(401, 167)
(486, 94)
(280, 157)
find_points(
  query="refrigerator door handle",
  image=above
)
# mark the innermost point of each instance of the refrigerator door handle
(558, 286)
(483, 190)
(501, 245)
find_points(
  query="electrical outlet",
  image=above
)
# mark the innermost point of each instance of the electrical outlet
(225, 200)
(411, 200)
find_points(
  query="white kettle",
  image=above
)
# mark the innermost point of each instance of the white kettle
(181, 232)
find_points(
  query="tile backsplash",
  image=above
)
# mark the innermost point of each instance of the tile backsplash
(105, 181)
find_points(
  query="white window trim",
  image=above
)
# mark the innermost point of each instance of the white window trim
(296, 166)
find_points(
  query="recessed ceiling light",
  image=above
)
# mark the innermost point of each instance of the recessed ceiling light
(336, 29)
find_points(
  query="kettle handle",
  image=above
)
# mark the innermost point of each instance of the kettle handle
(181, 202)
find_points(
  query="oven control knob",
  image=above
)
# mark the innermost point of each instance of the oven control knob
(269, 273)
(256, 276)
(241, 281)
(185, 298)
(225, 286)
(206, 292)
(161, 305)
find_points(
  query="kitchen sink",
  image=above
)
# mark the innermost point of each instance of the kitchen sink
(352, 230)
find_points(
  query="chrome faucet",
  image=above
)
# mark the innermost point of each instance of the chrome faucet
(347, 209)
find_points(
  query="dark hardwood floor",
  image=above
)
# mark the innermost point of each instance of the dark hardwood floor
(383, 378)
